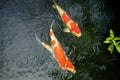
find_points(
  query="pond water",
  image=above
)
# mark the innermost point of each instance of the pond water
(22, 58)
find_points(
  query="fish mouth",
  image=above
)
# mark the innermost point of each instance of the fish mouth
(71, 70)
(74, 71)
(78, 35)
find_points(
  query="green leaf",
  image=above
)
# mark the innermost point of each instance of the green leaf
(111, 33)
(117, 38)
(108, 38)
(117, 45)
(110, 48)
(118, 48)
(107, 42)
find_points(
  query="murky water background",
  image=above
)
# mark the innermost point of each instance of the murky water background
(21, 58)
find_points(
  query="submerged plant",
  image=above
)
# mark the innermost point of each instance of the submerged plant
(114, 41)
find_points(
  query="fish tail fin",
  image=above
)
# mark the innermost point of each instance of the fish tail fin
(54, 1)
(37, 39)
(43, 44)
(55, 4)
(70, 66)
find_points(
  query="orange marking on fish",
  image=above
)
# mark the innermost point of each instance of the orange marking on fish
(59, 54)
(51, 33)
(65, 18)
(74, 27)
(53, 42)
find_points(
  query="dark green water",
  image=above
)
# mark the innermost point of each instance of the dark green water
(88, 53)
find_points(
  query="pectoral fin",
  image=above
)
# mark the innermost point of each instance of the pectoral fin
(66, 30)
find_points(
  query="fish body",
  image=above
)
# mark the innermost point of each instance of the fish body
(58, 52)
(67, 20)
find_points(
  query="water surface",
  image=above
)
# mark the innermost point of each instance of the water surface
(22, 58)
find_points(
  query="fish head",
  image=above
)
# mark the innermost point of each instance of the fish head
(76, 34)
(71, 70)
(70, 67)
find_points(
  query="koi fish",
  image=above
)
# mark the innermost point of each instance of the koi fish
(71, 26)
(57, 52)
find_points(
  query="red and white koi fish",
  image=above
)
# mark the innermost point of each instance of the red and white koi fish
(70, 24)
(58, 52)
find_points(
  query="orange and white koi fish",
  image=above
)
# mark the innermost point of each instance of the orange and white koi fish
(58, 52)
(70, 24)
